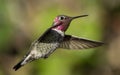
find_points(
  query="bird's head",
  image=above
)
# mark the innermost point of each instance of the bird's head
(61, 22)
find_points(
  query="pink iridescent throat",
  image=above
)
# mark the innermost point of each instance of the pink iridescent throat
(61, 27)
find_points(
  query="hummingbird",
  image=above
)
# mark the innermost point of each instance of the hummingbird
(54, 38)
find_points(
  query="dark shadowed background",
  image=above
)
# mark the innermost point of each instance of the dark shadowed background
(23, 21)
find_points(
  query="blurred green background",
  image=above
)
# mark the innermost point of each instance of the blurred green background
(23, 21)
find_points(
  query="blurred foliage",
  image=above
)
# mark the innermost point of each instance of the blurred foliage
(22, 21)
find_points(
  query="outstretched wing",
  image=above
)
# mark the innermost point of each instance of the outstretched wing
(72, 42)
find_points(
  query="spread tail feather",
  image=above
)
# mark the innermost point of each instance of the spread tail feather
(28, 58)
(19, 65)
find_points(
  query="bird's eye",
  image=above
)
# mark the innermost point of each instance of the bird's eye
(62, 18)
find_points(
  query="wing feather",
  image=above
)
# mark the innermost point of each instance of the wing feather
(72, 42)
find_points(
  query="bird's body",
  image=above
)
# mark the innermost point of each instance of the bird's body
(48, 43)
(54, 38)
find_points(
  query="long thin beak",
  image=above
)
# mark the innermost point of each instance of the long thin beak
(79, 16)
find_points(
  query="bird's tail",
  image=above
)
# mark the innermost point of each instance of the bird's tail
(23, 62)
(17, 66)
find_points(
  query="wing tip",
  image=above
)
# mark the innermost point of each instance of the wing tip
(100, 43)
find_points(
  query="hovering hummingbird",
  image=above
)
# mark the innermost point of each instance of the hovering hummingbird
(54, 38)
